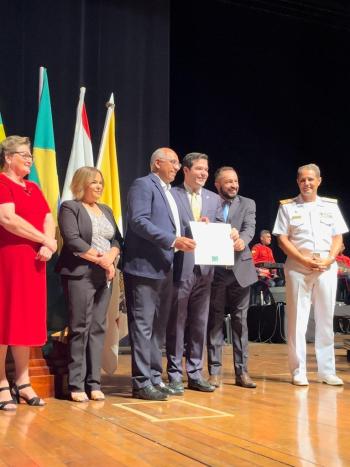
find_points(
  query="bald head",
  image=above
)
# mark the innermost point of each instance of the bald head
(165, 163)
(162, 153)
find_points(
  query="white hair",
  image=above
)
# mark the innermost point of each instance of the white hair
(158, 154)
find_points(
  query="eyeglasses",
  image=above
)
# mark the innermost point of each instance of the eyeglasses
(24, 155)
(174, 162)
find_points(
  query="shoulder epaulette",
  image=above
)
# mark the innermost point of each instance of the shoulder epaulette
(287, 201)
(329, 200)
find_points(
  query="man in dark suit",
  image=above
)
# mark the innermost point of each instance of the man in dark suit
(231, 285)
(191, 292)
(153, 232)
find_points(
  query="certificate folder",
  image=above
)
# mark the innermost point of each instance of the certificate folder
(214, 247)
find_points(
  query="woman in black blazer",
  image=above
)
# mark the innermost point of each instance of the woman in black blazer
(87, 262)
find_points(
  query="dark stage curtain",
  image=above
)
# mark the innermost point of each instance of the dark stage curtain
(264, 86)
(118, 46)
(259, 84)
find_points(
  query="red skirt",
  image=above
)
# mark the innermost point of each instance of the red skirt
(22, 296)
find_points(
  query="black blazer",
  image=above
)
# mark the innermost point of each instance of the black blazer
(76, 230)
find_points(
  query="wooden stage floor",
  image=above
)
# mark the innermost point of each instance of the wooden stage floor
(275, 424)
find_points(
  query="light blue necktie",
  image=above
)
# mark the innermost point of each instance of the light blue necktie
(225, 210)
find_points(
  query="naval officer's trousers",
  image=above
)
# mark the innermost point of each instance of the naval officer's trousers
(303, 288)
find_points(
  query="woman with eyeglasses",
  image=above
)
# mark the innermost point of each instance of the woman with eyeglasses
(86, 264)
(27, 241)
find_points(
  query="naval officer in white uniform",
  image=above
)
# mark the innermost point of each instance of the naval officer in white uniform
(309, 230)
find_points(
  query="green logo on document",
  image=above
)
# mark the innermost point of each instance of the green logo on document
(215, 259)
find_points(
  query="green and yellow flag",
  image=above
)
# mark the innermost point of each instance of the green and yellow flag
(2, 130)
(44, 169)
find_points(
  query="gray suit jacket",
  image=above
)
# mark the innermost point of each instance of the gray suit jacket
(211, 208)
(242, 216)
(76, 230)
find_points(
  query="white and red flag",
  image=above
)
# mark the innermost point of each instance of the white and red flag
(81, 153)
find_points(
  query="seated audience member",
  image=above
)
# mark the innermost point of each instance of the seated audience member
(262, 253)
(343, 261)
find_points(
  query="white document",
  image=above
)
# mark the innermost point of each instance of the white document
(214, 245)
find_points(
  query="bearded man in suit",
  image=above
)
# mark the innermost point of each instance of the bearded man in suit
(231, 285)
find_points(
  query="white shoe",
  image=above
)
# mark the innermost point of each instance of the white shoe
(300, 380)
(332, 380)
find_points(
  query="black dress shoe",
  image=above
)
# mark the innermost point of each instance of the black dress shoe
(245, 381)
(200, 385)
(177, 387)
(164, 388)
(149, 393)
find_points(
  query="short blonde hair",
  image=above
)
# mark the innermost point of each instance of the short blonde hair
(315, 168)
(10, 144)
(82, 179)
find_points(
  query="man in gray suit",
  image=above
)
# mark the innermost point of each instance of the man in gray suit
(231, 285)
(191, 291)
(153, 232)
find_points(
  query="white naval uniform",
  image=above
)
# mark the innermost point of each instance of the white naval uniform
(310, 228)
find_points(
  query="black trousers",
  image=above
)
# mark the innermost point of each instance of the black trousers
(226, 292)
(87, 297)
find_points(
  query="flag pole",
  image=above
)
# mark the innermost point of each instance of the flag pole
(110, 108)
(41, 82)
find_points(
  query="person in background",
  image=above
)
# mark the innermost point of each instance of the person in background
(231, 285)
(309, 230)
(343, 263)
(153, 233)
(87, 265)
(262, 253)
(191, 292)
(27, 242)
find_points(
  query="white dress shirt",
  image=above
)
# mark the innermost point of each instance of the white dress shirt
(167, 187)
(310, 225)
